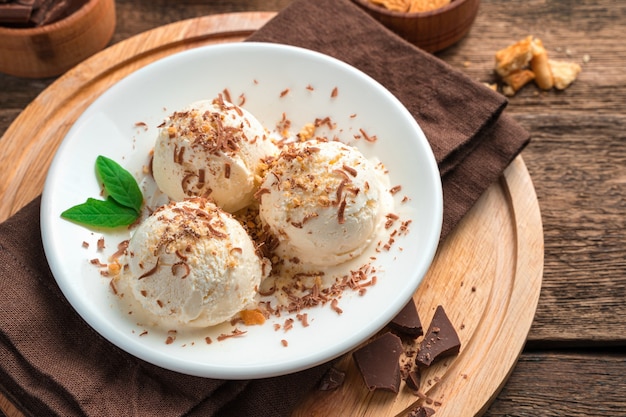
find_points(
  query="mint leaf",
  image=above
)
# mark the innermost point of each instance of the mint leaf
(122, 206)
(119, 184)
(101, 213)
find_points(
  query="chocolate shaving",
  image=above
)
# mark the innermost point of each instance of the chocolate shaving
(226, 93)
(350, 170)
(151, 271)
(234, 333)
(368, 137)
(183, 265)
(341, 212)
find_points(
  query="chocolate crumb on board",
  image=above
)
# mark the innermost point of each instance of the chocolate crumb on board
(332, 379)
(407, 321)
(421, 412)
(441, 340)
(379, 362)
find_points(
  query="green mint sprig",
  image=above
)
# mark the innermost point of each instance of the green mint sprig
(122, 207)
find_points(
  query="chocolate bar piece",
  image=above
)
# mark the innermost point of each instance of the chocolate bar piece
(15, 13)
(441, 340)
(33, 13)
(49, 11)
(407, 321)
(379, 363)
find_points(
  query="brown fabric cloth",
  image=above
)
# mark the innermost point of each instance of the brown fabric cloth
(52, 363)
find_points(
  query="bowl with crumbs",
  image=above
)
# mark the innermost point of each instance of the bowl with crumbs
(432, 25)
(46, 38)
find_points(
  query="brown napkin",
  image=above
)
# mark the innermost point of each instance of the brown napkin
(52, 363)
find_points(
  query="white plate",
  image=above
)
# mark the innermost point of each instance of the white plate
(261, 72)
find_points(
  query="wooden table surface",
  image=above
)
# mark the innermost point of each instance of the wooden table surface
(574, 361)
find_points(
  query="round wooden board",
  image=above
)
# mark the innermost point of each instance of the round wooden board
(487, 274)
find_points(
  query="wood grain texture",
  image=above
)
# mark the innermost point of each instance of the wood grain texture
(561, 383)
(577, 159)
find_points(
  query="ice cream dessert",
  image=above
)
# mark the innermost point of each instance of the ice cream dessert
(192, 263)
(323, 201)
(211, 149)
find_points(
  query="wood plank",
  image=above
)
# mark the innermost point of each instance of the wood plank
(565, 383)
(582, 197)
(577, 158)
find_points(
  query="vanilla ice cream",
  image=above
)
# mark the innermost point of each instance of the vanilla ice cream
(211, 149)
(192, 262)
(322, 201)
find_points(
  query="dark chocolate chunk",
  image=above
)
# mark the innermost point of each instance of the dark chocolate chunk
(14, 13)
(332, 379)
(379, 363)
(33, 13)
(441, 340)
(414, 379)
(407, 321)
(31, 3)
(49, 11)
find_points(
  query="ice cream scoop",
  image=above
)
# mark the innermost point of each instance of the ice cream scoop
(211, 149)
(322, 201)
(194, 263)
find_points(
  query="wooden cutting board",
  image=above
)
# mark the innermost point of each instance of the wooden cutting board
(487, 274)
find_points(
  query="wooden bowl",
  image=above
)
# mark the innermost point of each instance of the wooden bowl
(52, 49)
(432, 31)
